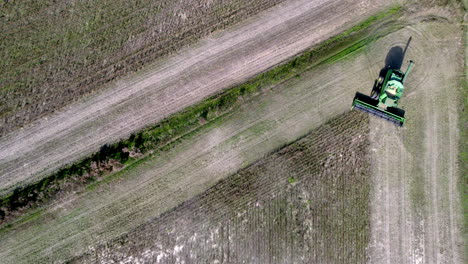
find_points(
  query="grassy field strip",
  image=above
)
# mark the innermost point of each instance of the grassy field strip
(295, 108)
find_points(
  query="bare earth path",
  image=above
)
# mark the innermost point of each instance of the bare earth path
(171, 85)
(415, 216)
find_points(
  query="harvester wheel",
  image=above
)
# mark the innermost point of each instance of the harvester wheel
(375, 89)
(375, 93)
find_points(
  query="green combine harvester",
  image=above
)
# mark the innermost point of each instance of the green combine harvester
(384, 98)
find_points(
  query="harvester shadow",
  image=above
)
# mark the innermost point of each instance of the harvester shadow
(393, 60)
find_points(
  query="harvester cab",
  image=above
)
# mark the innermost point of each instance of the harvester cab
(385, 95)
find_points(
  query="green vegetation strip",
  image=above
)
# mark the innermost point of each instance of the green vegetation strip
(161, 135)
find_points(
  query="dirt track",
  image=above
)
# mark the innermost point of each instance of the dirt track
(173, 84)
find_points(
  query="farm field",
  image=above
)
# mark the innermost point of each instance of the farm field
(171, 85)
(242, 188)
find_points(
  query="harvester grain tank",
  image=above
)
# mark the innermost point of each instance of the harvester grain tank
(385, 95)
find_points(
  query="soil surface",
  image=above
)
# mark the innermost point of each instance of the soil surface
(173, 84)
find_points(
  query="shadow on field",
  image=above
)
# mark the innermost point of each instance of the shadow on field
(393, 60)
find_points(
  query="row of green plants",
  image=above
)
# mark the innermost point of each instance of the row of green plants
(179, 124)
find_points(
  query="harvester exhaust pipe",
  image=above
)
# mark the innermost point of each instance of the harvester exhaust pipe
(410, 66)
(406, 48)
